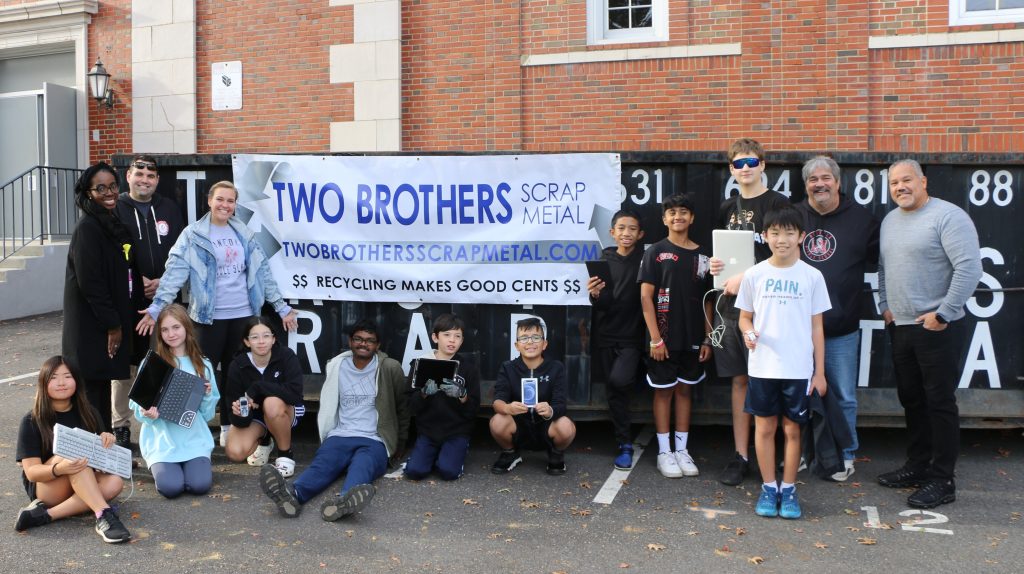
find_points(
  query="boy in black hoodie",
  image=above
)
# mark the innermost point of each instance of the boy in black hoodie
(618, 327)
(154, 223)
(543, 425)
(445, 412)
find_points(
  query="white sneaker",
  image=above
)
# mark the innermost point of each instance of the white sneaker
(224, 435)
(800, 468)
(261, 455)
(685, 462)
(842, 475)
(668, 467)
(285, 466)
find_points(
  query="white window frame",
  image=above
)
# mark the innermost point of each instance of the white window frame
(598, 32)
(959, 16)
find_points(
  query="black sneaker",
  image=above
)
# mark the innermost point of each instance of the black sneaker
(110, 529)
(32, 515)
(933, 493)
(556, 462)
(276, 488)
(354, 500)
(123, 437)
(735, 471)
(903, 477)
(506, 461)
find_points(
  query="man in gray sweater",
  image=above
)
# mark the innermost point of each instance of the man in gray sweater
(930, 264)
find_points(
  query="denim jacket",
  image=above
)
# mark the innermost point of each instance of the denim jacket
(192, 258)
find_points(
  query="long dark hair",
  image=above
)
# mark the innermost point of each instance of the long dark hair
(42, 410)
(109, 221)
(192, 350)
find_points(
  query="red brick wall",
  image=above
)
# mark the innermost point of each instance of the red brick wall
(110, 38)
(288, 101)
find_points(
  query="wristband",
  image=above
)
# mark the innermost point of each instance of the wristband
(53, 470)
(660, 343)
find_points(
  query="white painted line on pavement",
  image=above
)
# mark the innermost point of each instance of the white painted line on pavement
(612, 486)
(19, 377)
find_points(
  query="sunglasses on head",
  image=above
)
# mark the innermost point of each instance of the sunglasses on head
(750, 162)
(139, 164)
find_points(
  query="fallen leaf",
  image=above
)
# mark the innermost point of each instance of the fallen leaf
(821, 545)
(755, 560)
(798, 530)
(495, 535)
(469, 502)
(585, 484)
(528, 504)
(168, 546)
(629, 528)
(850, 512)
(214, 556)
(1003, 452)
(885, 526)
(396, 559)
(740, 531)
(134, 516)
(724, 527)
(724, 552)
(1014, 516)
(623, 565)
(624, 482)
(504, 490)
(692, 533)
(140, 534)
(656, 547)
(867, 541)
(349, 533)
(428, 514)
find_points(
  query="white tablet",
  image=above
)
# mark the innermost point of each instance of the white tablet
(736, 249)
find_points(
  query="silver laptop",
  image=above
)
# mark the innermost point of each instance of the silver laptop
(735, 247)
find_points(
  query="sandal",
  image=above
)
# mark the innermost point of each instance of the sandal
(261, 455)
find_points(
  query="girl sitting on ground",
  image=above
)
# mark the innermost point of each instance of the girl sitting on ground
(58, 486)
(179, 457)
(269, 377)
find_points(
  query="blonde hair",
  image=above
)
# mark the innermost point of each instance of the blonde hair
(220, 184)
(192, 350)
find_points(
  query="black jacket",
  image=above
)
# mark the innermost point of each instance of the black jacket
(841, 244)
(282, 379)
(97, 299)
(826, 435)
(154, 226)
(440, 417)
(618, 318)
(552, 386)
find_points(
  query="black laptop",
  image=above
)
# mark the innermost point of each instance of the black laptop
(175, 393)
(426, 369)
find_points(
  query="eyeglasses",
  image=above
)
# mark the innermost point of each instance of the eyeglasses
(260, 337)
(362, 341)
(530, 338)
(138, 164)
(105, 189)
(750, 162)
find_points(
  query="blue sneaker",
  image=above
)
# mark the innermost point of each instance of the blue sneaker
(624, 461)
(768, 502)
(790, 505)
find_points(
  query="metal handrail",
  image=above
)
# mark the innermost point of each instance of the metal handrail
(37, 205)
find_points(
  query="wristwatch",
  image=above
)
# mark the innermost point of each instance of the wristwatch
(942, 320)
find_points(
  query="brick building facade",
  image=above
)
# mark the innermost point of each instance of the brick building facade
(537, 75)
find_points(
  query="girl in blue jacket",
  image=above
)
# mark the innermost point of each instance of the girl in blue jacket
(179, 457)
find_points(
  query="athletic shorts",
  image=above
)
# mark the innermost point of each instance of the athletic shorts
(532, 435)
(680, 367)
(731, 357)
(773, 397)
(257, 416)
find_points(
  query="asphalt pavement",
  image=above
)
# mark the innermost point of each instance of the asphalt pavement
(528, 521)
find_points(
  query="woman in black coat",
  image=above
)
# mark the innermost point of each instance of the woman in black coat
(100, 288)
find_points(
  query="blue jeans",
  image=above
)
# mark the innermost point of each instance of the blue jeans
(364, 458)
(447, 457)
(841, 365)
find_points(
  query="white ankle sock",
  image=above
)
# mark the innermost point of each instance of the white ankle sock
(786, 485)
(663, 445)
(681, 440)
(771, 485)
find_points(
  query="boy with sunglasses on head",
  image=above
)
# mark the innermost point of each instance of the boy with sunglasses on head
(744, 210)
(538, 422)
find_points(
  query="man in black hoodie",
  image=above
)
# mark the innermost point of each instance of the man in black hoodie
(618, 326)
(841, 241)
(154, 223)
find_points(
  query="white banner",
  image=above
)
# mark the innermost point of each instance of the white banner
(436, 229)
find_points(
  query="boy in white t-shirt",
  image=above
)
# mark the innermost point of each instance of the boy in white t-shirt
(781, 301)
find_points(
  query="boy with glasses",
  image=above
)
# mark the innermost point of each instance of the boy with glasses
(539, 421)
(745, 210)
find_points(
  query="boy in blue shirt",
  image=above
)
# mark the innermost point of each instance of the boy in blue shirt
(781, 301)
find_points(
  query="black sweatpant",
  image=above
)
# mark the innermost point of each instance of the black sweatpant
(220, 342)
(621, 369)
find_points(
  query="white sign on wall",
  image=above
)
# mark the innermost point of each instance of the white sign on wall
(226, 84)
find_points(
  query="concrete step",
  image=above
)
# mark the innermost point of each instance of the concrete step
(14, 262)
